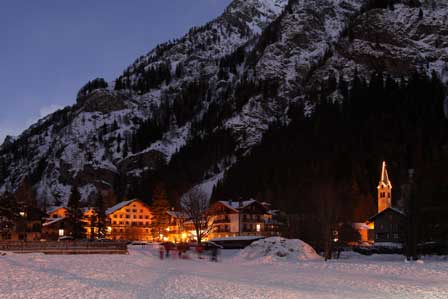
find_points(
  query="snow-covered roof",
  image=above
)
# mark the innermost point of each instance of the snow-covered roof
(177, 214)
(390, 208)
(55, 208)
(360, 225)
(235, 205)
(53, 220)
(119, 206)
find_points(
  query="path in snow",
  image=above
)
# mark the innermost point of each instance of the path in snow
(142, 275)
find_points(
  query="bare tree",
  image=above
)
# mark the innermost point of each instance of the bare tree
(329, 211)
(195, 206)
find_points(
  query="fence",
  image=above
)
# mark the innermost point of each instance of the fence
(65, 247)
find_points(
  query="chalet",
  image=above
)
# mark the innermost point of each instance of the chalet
(129, 220)
(57, 212)
(388, 224)
(178, 227)
(240, 218)
(56, 223)
(55, 228)
(28, 225)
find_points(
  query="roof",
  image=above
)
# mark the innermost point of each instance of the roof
(119, 206)
(360, 225)
(384, 181)
(235, 205)
(53, 221)
(395, 210)
(55, 208)
(177, 214)
(86, 209)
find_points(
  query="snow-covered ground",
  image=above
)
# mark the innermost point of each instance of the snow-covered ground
(142, 275)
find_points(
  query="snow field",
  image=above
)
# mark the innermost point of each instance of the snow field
(142, 275)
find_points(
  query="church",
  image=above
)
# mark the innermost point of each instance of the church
(388, 225)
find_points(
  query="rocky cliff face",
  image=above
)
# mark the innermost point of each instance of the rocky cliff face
(238, 73)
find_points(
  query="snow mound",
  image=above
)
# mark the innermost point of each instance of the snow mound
(277, 249)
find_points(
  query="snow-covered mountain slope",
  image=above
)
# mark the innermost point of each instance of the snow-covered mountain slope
(238, 73)
(399, 42)
(88, 144)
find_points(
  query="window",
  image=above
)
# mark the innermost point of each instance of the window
(127, 216)
(141, 210)
(121, 215)
(127, 222)
(135, 216)
(146, 217)
(134, 210)
(127, 210)
(140, 217)
(396, 237)
(258, 228)
(115, 215)
(121, 230)
(115, 222)
(121, 222)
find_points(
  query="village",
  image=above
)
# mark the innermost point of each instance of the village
(249, 220)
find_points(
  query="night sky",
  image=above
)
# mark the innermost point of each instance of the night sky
(50, 48)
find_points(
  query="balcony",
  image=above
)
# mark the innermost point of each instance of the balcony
(225, 220)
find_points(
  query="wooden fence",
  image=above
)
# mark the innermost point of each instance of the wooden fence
(65, 247)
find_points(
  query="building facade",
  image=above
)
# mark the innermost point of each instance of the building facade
(389, 226)
(130, 220)
(240, 218)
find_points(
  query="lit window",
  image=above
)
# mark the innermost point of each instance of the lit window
(258, 227)
(61, 233)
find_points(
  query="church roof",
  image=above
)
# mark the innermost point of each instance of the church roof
(395, 210)
(384, 181)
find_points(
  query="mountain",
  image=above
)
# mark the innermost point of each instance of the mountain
(192, 109)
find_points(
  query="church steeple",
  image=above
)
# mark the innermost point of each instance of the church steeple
(384, 190)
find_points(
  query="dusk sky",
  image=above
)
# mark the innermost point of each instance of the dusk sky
(50, 48)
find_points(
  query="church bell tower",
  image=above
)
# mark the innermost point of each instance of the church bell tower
(384, 190)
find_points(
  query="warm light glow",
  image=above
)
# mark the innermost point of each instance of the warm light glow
(22, 214)
(258, 227)
(167, 229)
(184, 236)
(165, 239)
(61, 233)
(109, 229)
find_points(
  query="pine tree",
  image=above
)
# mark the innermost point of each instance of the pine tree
(75, 215)
(159, 208)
